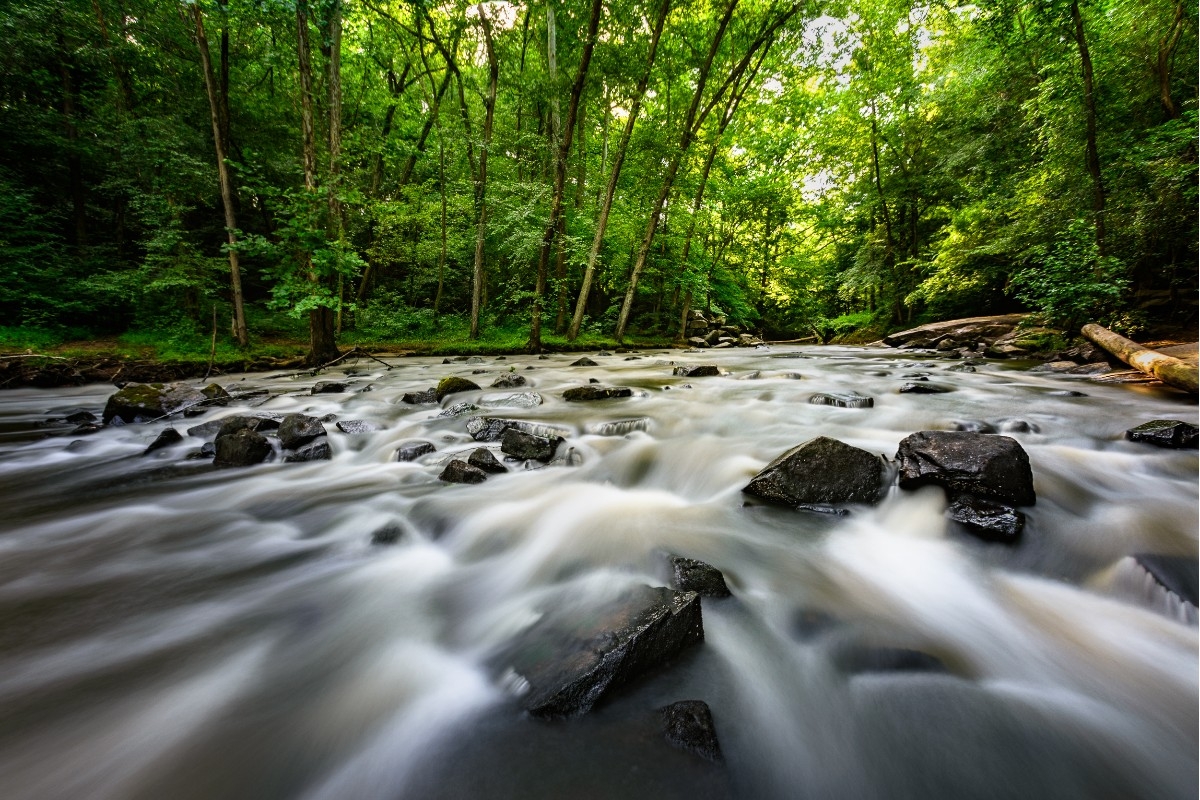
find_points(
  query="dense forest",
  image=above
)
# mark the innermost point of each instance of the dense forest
(350, 170)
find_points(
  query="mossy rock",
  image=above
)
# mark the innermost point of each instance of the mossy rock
(453, 385)
(141, 402)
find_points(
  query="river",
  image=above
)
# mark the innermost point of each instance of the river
(174, 631)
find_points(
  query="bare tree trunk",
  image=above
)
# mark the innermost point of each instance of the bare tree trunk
(477, 278)
(560, 174)
(74, 162)
(618, 160)
(1166, 53)
(336, 223)
(1093, 154)
(1167, 369)
(441, 269)
(214, 105)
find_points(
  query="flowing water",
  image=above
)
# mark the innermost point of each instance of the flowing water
(168, 630)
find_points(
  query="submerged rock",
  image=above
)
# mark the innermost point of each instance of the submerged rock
(241, 449)
(567, 663)
(509, 381)
(619, 427)
(987, 519)
(983, 465)
(699, 371)
(584, 362)
(357, 426)
(519, 444)
(1171, 433)
(1174, 573)
(462, 472)
(299, 429)
(688, 725)
(317, 450)
(857, 658)
(924, 388)
(482, 458)
(414, 449)
(583, 393)
(166, 438)
(820, 471)
(842, 400)
(388, 534)
(453, 385)
(420, 398)
(328, 387)
(458, 409)
(690, 575)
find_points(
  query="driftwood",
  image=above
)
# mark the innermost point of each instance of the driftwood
(1167, 369)
(793, 341)
(356, 352)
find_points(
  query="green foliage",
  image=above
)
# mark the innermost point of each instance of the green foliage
(1073, 284)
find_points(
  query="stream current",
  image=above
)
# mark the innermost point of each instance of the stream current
(168, 630)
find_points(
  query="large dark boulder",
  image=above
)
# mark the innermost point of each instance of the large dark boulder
(698, 371)
(299, 429)
(166, 438)
(1171, 433)
(987, 519)
(482, 458)
(241, 449)
(453, 385)
(978, 464)
(420, 398)
(519, 444)
(570, 661)
(821, 471)
(583, 393)
(688, 725)
(236, 423)
(690, 575)
(142, 402)
(462, 472)
(316, 450)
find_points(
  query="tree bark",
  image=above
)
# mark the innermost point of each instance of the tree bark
(227, 202)
(1093, 154)
(336, 226)
(1167, 369)
(477, 277)
(618, 161)
(1166, 53)
(560, 175)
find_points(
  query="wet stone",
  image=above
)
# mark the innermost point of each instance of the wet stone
(1067, 393)
(857, 659)
(821, 471)
(1170, 433)
(453, 385)
(299, 429)
(358, 426)
(1018, 426)
(596, 392)
(961, 368)
(993, 467)
(842, 400)
(509, 381)
(521, 445)
(690, 575)
(420, 398)
(462, 472)
(81, 416)
(517, 400)
(923, 388)
(136, 402)
(166, 438)
(475, 360)
(584, 362)
(388, 534)
(414, 449)
(236, 423)
(986, 519)
(328, 387)
(317, 450)
(688, 725)
(241, 449)
(482, 458)
(570, 660)
(457, 410)
(973, 426)
(1174, 573)
(698, 371)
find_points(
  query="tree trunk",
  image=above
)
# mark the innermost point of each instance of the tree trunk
(1093, 154)
(441, 268)
(214, 105)
(1167, 369)
(477, 278)
(560, 172)
(74, 162)
(336, 226)
(1166, 53)
(618, 161)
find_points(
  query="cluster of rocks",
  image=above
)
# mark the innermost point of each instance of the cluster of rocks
(713, 331)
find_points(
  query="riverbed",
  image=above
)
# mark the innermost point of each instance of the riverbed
(171, 630)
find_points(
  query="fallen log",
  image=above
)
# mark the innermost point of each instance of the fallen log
(1167, 369)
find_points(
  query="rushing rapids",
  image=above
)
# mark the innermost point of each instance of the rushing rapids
(338, 628)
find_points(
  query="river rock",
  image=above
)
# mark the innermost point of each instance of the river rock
(619, 427)
(328, 387)
(165, 438)
(584, 362)
(690, 575)
(983, 465)
(973, 426)
(696, 341)
(146, 401)
(509, 381)
(358, 426)
(316, 450)
(821, 471)
(390, 533)
(1171, 433)
(482, 458)
(858, 658)
(457, 410)
(688, 725)
(596, 392)
(241, 449)
(1174, 573)
(474, 360)
(233, 424)
(516, 400)
(420, 398)
(698, 371)
(987, 519)
(452, 385)
(842, 400)
(462, 472)
(961, 368)
(299, 429)
(519, 444)
(567, 662)
(491, 429)
(414, 449)
(923, 388)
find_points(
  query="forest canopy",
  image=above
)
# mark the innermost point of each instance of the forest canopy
(383, 170)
